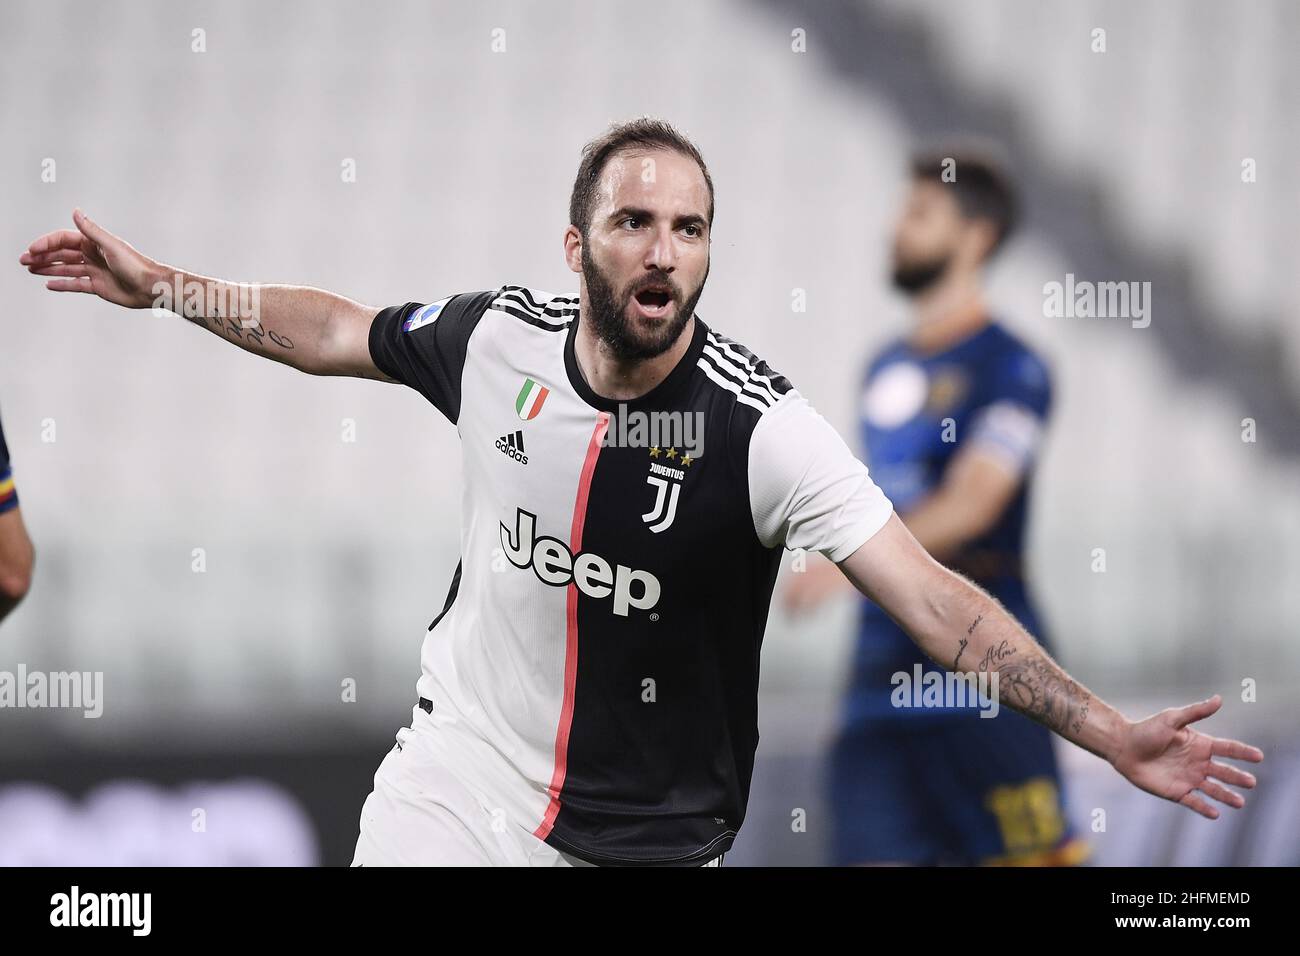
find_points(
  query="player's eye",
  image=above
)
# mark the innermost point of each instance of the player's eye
(631, 219)
(697, 232)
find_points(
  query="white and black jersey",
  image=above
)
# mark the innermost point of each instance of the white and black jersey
(594, 671)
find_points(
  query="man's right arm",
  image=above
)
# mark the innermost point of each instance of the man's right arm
(309, 329)
(312, 330)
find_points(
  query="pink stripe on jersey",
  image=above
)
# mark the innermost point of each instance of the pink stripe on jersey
(571, 637)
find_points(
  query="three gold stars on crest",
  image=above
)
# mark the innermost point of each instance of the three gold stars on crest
(671, 455)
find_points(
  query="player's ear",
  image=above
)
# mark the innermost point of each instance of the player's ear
(573, 248)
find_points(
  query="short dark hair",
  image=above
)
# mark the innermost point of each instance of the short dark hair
(644, 132)
(982, 187)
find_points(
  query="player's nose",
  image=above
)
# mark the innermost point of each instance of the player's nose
(662, 252)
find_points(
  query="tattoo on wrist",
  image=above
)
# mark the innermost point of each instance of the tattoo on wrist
(1043, 692)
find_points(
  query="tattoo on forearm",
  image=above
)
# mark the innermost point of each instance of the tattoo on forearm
(228, 327)
(1041, 691)
(961, 648)
(996, 654)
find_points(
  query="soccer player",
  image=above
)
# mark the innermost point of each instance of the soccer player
(952, 418)
(589, 689)
(16, 554)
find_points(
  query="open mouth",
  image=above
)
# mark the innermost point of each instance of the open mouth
(653, 302)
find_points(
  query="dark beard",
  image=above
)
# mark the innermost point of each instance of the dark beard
(608, 313)
(915, 277)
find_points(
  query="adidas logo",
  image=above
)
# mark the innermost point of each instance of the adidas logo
(513, 445)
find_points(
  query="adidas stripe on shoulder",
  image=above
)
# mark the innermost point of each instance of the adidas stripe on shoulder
(540, 309)
(731, 366)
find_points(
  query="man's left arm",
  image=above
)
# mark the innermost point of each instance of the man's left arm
(963, 629)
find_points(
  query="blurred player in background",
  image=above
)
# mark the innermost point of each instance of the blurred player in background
(16, 552)
(952, 416)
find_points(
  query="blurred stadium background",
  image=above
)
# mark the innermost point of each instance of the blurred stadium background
(136, 440)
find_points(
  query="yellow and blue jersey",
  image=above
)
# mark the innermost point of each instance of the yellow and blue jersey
(936, 784)
(917, 410)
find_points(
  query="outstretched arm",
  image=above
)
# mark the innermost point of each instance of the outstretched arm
(962, 628)
(309, 329)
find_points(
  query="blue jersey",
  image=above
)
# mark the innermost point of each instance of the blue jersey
(917, 410)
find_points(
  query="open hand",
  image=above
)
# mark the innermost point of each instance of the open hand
(1163, 755)
(92, 259)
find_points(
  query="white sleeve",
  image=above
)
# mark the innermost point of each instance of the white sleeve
(806, 488)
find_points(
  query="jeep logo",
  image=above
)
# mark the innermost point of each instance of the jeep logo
(554, 564)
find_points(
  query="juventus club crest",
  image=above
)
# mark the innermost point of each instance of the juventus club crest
(666, 480)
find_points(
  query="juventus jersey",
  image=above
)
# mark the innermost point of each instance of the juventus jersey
(594, 671)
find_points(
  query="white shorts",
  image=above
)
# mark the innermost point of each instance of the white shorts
(420, 814)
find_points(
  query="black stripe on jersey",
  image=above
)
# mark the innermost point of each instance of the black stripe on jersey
(780, 384)
(746, 384)
(451, 597)
(524, 293)
(516, 301)
(728, 371)
(756, 369)
(529, 317)
(739, 356)
(524, 297)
